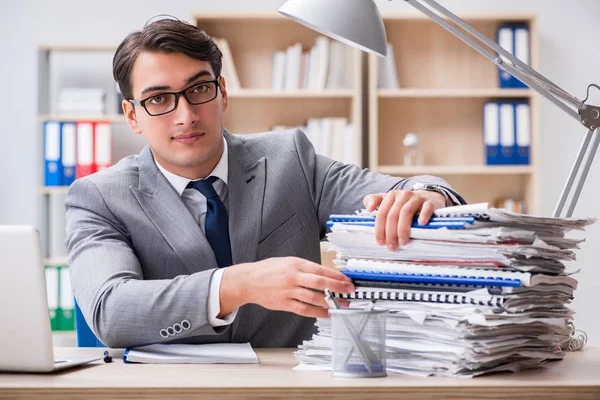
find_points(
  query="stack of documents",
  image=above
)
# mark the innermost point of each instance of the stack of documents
(81, 101)
(476, 290)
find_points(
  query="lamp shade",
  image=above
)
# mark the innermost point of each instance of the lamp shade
(357, 23)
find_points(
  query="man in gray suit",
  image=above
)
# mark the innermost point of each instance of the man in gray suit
(206, 236)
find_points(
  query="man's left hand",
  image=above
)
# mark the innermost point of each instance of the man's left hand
(397, 209)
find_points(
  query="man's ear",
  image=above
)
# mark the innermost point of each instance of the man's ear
(129, 112)
(223, 88)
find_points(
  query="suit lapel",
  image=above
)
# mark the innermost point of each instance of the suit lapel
(246, 182)
(171, 217)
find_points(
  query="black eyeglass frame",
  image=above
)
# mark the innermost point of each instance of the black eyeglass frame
(177, 96)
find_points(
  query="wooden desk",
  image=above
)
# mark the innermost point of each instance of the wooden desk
(575, 377)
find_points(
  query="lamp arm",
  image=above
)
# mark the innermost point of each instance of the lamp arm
(588, 115)
(576, 108)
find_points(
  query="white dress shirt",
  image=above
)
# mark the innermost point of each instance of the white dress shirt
(196, 203)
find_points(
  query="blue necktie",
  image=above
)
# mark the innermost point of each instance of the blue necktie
(216, 224)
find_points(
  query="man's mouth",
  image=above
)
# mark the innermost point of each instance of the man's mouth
(187, 138)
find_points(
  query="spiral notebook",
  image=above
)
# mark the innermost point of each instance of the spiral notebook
(410, 272)
(477, 297)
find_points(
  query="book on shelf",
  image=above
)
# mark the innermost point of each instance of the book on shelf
(60, 298)
(331, 137)
(327, 65)
(94, 142)
(228, 69)
(513, 38)
(507, 132)
(81, 101)
(512, 205)
(387, 72)
(73, 149)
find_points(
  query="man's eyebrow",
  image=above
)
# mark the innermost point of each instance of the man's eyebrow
(188, 81)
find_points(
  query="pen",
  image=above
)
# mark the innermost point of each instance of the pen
(330, 300)
(361, 328)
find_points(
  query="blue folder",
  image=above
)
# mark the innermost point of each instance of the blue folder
(434, 223)
(431, 278)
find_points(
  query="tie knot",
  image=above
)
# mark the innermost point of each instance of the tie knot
(205, 186)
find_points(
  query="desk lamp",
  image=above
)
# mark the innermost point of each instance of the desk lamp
(358, 23)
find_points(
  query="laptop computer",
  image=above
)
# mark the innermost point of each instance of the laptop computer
(25, 335)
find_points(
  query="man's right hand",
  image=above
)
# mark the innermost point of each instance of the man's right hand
(285, 284)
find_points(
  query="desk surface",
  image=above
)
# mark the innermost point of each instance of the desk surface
(575, 377)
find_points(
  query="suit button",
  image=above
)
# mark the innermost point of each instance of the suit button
(164, 333)
(185, 324)
(177, 328)
(171, 331)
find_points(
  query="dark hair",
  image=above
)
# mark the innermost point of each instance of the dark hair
(167, 36)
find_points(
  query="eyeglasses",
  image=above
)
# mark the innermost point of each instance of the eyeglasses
(164, 103)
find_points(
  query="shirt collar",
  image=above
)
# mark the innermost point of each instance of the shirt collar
(179, 183)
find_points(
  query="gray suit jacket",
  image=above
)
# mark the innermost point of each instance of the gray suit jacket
(140, 263)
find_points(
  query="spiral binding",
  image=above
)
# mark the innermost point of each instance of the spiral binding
(449, 298)
(577, 339)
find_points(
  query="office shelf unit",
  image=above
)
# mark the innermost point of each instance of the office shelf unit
(50, 220)
(443, 87)
(256, 107)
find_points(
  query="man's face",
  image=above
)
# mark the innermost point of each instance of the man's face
(187, 141)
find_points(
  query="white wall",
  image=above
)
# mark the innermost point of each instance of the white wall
(568, 34)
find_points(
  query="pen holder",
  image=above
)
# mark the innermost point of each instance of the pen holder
(358, 342)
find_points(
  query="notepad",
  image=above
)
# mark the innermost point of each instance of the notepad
(214, 353)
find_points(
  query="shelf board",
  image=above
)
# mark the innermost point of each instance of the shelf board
(250, 15)
(115, 118)
(468, 17)
(456, 170)
(56, 262)
(53, 189)
(454, 93)
(291, 94)
(75, 48)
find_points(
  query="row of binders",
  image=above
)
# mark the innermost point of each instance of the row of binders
(476, 290)
(507, 132)
(327, 65)
(75, 149)
(331, 137)
(60, 298)
(516, 40)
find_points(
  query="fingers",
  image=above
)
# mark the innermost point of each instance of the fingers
(426, 212)
(392, 226)
(396, 215)
(313, 299)
(308, 310)
(407, 215)
(372, 201)
(314, 268)
(380, 220)
(320, 282)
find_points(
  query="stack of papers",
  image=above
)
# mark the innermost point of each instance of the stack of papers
(476, 290)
